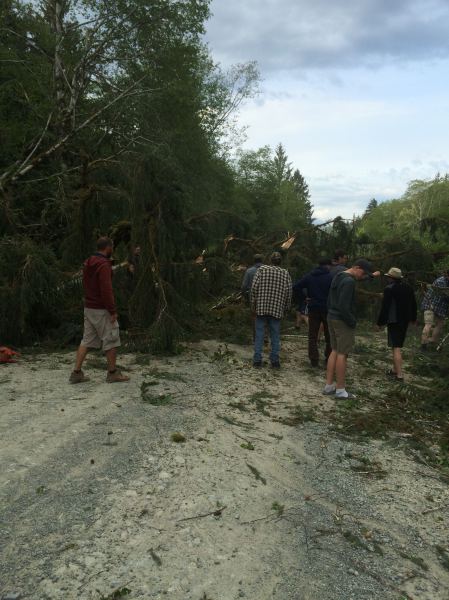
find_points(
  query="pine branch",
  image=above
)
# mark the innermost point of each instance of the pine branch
(27, 166)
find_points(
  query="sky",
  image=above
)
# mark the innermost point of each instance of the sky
(356, 90)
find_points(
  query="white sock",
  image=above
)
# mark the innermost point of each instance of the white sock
(342, 393)
(329, 387)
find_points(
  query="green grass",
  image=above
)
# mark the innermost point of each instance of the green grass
(443, 555)
(231, 421)
(256, 474)
(298, 416)
(383, 408)
(417, 560)
(261, 400)
(165, 375)
(241, 406)
(248, 446)
(150, 397)
(278, 508)
(116, 594)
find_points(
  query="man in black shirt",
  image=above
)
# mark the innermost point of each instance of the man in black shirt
(397, 311)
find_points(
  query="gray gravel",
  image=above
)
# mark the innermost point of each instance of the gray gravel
(86, 512)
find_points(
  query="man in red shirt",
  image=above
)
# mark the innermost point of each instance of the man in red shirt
(101, 329)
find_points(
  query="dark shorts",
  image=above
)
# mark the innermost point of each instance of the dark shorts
(396, 334)
(342, 337)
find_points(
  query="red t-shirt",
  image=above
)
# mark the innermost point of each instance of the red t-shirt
(97, 283)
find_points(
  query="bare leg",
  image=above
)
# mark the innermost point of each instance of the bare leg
(80, 357)
(111, 357)
(397, 362)
(437, 330)
(331, 362)
(340, 368)
(425, 337)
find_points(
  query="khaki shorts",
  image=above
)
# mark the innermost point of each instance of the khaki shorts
(99, 332)
(342, 337)
(430, 318)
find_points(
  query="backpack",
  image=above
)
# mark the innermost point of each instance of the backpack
(6, 355)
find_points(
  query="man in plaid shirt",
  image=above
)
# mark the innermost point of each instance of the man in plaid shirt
(435, 305)
(271, 295)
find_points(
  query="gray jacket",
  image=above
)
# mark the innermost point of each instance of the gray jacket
(341, 300)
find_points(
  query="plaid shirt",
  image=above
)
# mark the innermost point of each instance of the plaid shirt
(436, 301)
(271, 292)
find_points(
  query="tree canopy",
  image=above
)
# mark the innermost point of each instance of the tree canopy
(115, 119)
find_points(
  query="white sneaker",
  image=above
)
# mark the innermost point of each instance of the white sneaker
(345, 396)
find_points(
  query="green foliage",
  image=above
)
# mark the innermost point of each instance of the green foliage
(29, 296)
(421, 215)
(114, 120)
(271, 194)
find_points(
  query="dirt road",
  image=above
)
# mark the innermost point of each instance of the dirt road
(203, 479)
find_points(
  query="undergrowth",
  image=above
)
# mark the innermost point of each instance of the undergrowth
(414, 414)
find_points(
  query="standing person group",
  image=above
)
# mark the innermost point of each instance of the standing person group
(329, 292)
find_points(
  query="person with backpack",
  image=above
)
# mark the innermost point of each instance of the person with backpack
(397, 311)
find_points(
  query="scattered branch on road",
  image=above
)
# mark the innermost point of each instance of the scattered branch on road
(215, 513)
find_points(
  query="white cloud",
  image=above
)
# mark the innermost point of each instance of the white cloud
(355, 133)
(299, 34)
(353, 142)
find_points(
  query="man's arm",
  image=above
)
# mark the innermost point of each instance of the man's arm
(254, 288)
(413, 307)
(298, 288)
(106, 292)
(385, 307)
(245, 282)
(288, 296)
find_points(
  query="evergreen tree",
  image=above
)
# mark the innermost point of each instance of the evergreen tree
(372, 204)
(302, 195)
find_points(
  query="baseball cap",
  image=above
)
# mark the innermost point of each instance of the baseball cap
(365, 265)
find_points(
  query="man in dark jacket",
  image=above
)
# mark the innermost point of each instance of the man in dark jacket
(339, 262)
(397, 311)
(249, 276)
(316, 285)
(101, 328)
(342, 321)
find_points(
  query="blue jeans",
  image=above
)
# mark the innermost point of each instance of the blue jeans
(274, 326)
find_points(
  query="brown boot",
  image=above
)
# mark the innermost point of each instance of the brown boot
(116, 377)
(78, 377)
